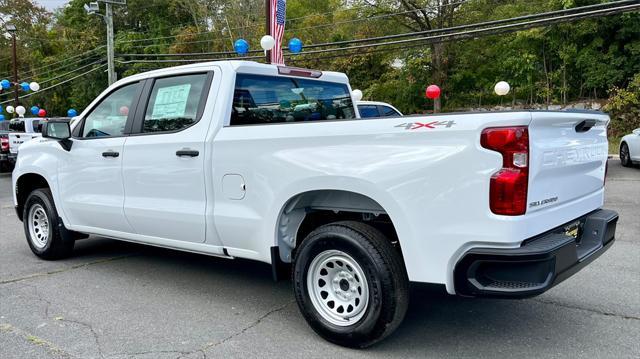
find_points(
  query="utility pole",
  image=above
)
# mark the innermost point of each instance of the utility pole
(267, 8)
(12, 30)
(111, 72)
(93, 9)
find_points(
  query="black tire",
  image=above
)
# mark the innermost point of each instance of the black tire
(625, 157)
(383, 268)
(59, 241)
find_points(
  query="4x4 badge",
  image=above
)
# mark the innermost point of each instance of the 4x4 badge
(433, 124)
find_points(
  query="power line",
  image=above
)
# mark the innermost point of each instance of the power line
(301, 17)
(63, 67)
(543, 19)
(58, 84)
(32, 71)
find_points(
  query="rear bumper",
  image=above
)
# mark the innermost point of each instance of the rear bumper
(539, 263)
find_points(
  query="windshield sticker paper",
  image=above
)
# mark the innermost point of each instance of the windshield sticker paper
(171, 102)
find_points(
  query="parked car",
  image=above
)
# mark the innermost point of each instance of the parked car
(5, 164)
(630, 148)
(239, 159)
(369, 109)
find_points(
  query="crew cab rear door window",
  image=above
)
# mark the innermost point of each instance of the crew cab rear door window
(175, 102)
(262, 99)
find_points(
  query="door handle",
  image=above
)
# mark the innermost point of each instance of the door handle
(187, 153)
(110, 154)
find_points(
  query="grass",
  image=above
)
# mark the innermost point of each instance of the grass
(614, 145)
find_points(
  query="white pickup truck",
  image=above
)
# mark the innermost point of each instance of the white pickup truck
(23, 130)
(245, 160)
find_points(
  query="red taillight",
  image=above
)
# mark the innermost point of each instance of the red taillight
(508, 189)
(4, 144)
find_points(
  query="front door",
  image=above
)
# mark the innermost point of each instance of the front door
(164, 162)
(90, 182)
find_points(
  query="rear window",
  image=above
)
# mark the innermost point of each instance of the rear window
(272, 99)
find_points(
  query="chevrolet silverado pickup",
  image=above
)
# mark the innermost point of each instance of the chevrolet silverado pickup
(245, 160)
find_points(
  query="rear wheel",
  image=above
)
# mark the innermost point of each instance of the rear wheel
(350, 283)
(46, 235)
(625, 157)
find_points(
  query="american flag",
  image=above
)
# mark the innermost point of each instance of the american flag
(278, 15)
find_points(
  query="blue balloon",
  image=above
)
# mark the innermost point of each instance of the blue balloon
(34, 110)
(241, 46)
(5, 84)
(1, 117)
(25, 86)
(295, 45)
(1, 108)
(72, 112)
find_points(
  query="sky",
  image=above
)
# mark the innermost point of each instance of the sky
(52, 4)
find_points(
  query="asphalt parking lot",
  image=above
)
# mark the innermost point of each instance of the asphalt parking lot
(120, 300)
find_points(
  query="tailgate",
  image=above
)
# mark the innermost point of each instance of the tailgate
(17, 139)
(568, 152)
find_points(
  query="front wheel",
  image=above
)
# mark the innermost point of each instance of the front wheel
(46, 235)
(350, 283)
(625, 157)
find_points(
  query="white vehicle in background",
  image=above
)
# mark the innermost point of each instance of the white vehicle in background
(630, 148)
(368, 109)
(22, 130)
(271, 163)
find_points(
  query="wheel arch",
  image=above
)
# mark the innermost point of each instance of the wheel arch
(25, 184)
(324, 205)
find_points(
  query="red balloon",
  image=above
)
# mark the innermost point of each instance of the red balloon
(124, 111)
(433, 92)
(42, 112)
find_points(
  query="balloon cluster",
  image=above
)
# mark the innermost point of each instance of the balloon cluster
(26, 87)
(20, 111)
(267, 42)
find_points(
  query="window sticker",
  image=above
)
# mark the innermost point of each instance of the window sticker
(171, 102)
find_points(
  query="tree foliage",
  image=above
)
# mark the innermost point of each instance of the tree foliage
(584, 60)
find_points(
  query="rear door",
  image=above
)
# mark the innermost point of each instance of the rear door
(568, 154)
(163, 166)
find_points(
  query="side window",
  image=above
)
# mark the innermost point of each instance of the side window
(388, 111)
(110, 116)
(173, 104)
(367, 111)
(273, 99)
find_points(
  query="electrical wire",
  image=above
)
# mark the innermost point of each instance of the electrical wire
(56, 85)
(546, 18)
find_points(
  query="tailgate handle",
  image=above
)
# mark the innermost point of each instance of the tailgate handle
(585, 125)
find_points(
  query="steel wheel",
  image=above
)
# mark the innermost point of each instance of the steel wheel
(338, 287)
(38, 226)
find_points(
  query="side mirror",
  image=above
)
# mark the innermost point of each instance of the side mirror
(58, 130)
(637, 131)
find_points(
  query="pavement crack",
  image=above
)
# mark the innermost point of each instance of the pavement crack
(93, 331)
(66, 269)
(596, 311)
(238, 333)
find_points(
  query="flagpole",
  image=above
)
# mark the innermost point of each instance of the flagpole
(268, 28)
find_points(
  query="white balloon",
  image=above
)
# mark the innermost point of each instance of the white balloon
(267, 42)
(356, 94)
(502, 88)
(34, 86)
(20, 110)
(10, 109)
